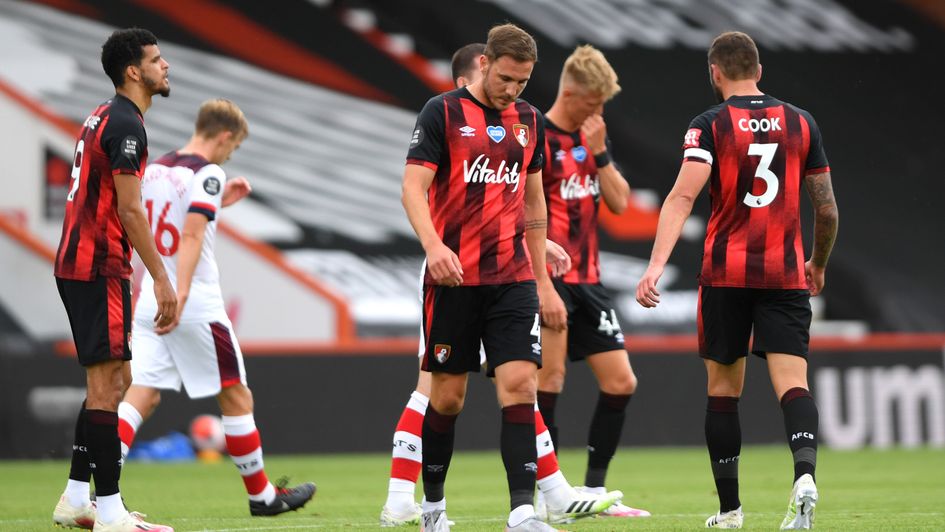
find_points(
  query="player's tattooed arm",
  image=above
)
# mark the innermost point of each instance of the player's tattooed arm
(826, 216)
(536, 224)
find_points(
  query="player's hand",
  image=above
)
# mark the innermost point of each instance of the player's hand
(595, 132)
(234, 190)
(815, 278)
(557, 258)
(166, 302)
(647, 294)
(554, 315)
(444, 266)
(181, 301)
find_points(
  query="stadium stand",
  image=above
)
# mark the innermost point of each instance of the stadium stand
(331, 163)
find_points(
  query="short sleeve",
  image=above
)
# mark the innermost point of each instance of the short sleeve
(426, 144)
(206, 191)
(125, 143)
(816, 157)
(699, 144)
(538, 155)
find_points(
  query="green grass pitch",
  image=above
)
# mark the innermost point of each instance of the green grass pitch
(862, 490)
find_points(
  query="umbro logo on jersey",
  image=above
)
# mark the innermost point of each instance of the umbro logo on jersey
(441, 352)
(496, 133)
(467, 131)
(536, 348)
(560, 155)
(579, 153)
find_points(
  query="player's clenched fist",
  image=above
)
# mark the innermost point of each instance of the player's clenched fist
(444, 266)
(595, 131)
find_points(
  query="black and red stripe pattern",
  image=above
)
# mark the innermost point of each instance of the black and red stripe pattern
(572, 196)
(481, 157)
(429, 300)
(119, 315)
(760, 150)
(93, 243)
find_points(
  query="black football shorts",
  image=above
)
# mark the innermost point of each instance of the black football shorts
(100, 316)
(727, 316)
(504, 318)
(592, 321)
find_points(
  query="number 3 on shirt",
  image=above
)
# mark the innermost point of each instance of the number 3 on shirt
(161, 228)
(766, 151)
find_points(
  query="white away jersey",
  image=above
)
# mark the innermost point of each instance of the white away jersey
(173, 186)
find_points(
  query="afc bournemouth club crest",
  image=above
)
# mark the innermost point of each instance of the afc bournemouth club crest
(441, 352)
(521, 134)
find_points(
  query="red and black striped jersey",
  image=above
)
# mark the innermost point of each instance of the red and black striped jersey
(480, 157)
(760, 149)
(112, 141)
(572, 195)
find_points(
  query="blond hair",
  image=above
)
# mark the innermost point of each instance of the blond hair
(588, 67)
(219, 115)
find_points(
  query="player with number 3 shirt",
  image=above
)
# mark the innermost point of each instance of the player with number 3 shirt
(755, 151)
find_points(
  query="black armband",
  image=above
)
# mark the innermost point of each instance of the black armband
(602, 159)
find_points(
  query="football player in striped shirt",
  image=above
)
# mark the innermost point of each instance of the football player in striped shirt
(578, 174)
(104, 220)
(559, 502)
(755, 152)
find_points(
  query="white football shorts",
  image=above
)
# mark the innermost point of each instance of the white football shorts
(205, 357)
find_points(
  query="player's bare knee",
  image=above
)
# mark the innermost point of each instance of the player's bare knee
(551, 378)
(448, 403)
(520, 390)
(621, 384)
(105, 398)
(724, 389)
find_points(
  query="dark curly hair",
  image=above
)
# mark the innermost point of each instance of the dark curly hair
(123, 48)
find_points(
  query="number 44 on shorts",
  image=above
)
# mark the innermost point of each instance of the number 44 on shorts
(609, 324)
